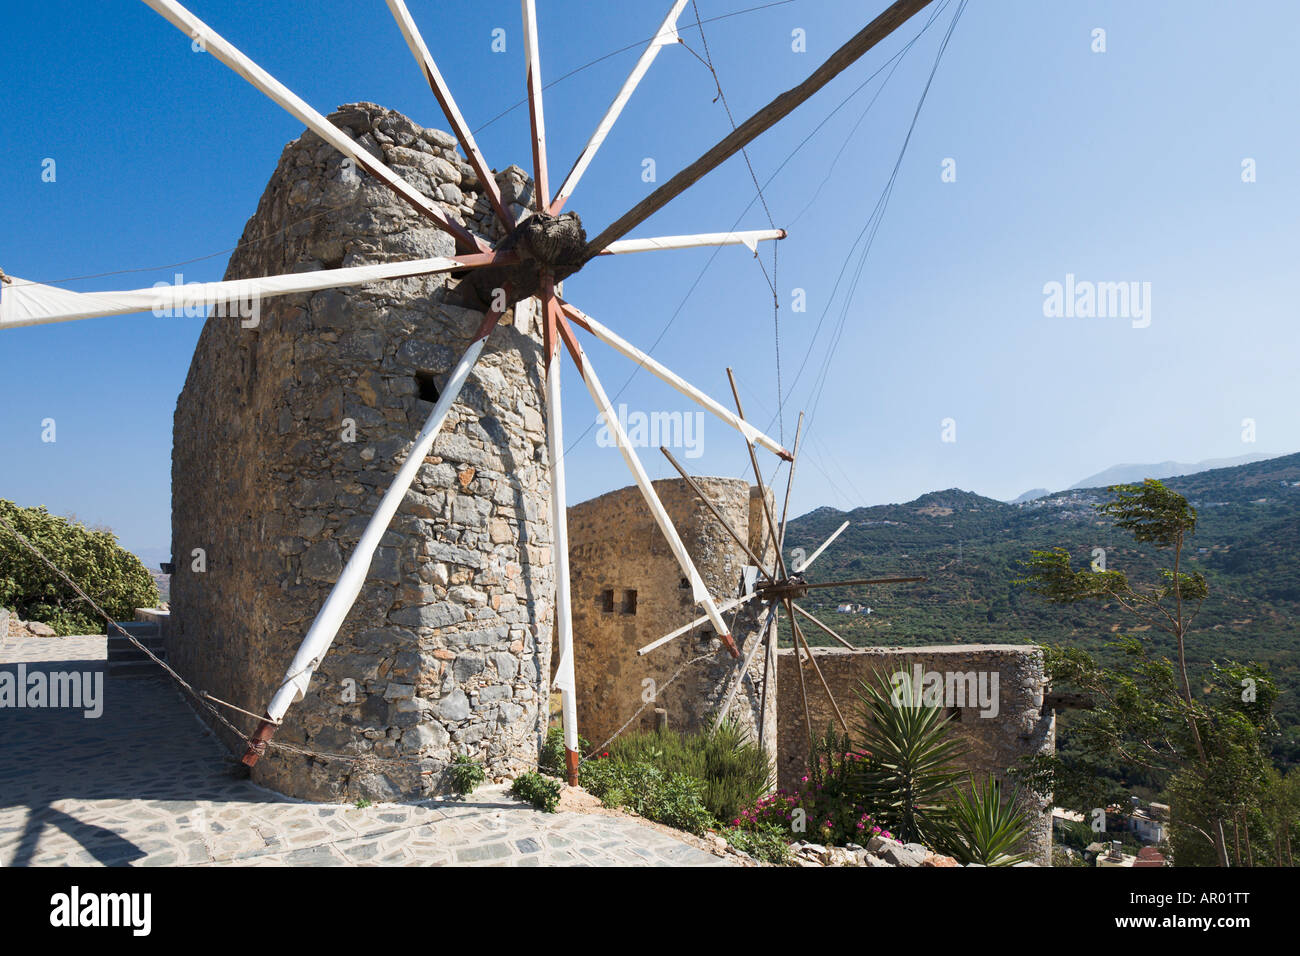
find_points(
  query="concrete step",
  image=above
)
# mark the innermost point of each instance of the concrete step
(124, 658)
(148, 640)
(134, 628)
(141, 668)
(134, 654)
(154, 644)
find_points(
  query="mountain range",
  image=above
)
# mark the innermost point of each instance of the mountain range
(1125, 474)
(969, 548)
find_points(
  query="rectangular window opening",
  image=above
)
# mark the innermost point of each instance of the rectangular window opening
(427, 385)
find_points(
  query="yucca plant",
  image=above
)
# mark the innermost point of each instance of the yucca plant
(983, 828)
(912, 759)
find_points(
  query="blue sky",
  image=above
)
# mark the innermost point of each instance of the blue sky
(1123, 165)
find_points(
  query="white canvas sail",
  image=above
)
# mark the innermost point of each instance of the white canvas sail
(31, 303)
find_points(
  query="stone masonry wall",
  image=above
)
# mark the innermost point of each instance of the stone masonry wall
(615, 546)
(448, 646)
(996, 743)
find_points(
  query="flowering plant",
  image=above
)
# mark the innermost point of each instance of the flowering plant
(823, 807)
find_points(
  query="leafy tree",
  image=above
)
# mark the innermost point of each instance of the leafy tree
(1209, 746)
(1280, 814)
(113, 577)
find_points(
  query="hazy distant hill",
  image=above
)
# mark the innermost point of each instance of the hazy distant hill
(1029, 495)
(1125, 474)
(968, 546)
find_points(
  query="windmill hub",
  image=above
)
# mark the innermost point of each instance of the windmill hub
(793, 588)
(557, 243)
(544, 243)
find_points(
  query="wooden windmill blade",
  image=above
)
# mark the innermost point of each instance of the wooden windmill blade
(789, 482)
(803, 689)
(824, 628)
(697, 622)
(664, 36)
(225, 51)
(713, 510)
(806, 563)
(861, 582)
(758, 641)
(536, 117)
(411, 33)
(878, 29)
(565, 679)
(747, 238)
(699, 592)
(31, 303)
(666, 375)
(758, 478)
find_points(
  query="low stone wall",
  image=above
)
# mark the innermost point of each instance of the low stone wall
(996, 739)
(154, 615)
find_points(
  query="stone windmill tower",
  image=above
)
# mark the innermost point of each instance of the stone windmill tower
(277, 434)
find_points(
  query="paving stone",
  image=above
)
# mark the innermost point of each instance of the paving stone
(146, 784)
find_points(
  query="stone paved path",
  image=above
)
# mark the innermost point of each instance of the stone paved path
(146, 784)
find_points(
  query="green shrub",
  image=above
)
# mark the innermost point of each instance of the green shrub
(673, 799)
(466, 774)
(733, 771)
(766, 844)
(1076, 834)
(551, 759)
(113, 577)
(541, 791)
(1065, 856)
(692, 782)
